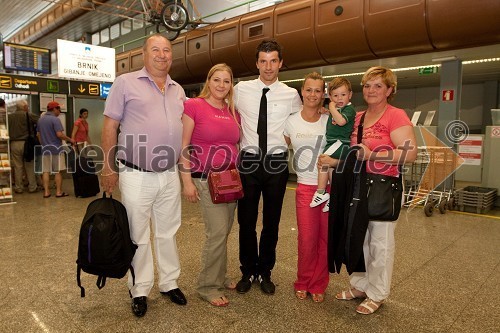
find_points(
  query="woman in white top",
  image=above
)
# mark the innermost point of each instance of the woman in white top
(305, 131)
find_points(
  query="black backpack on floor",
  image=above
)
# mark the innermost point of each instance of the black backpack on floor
(105, 248)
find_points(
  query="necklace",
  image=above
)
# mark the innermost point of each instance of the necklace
(221, 108)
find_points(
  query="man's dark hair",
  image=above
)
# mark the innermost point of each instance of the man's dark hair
(269, 45)
(83, 110)
(2, 103)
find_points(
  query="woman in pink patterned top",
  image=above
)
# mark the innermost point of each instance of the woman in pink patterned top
(388, 141)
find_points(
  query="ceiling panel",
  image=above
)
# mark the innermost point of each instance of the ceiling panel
(15, 14)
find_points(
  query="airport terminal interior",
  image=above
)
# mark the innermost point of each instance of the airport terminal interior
(447, 263)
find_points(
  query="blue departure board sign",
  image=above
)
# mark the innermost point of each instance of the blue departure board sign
(26, 58)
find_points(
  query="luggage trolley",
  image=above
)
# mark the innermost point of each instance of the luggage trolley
(426, 184)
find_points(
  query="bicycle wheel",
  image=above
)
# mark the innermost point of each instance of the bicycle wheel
(171, 35)
(174, 16)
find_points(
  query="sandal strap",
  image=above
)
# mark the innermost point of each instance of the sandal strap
(347, 295)
(370, 305)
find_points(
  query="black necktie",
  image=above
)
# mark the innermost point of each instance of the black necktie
(262, 123)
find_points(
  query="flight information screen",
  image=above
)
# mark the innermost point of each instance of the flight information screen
(26, 58)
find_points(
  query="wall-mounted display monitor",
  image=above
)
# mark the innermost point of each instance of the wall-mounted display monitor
(26, 58)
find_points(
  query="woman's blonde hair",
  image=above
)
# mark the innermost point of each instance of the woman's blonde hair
(388, 77)
(313, 76)
(205, 92)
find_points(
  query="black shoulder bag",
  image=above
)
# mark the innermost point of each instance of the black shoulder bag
(384, 192)
(31, 142)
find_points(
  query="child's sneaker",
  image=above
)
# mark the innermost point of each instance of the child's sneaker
(319, 198)
(326, 207)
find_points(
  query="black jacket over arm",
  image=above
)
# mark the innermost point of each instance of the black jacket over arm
(348, 219)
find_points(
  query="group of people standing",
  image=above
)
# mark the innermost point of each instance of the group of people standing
(49, 158)
(248, 125)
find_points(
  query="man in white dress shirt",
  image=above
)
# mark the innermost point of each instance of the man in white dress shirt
(264, 163)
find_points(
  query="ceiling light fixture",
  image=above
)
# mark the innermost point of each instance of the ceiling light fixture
(445, 58)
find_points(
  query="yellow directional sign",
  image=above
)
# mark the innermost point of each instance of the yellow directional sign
(93, 89)
(5, 82)
(84, 88)
(33, 84)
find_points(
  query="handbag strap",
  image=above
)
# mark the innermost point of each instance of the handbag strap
(360, 127)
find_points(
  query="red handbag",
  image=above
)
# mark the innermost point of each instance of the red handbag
(225, 186)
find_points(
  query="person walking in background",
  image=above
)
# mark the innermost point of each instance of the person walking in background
(211, 132)
(146, 106)
(387, 141)
(338, 133)
(80, 133)
(264, 105)
(51, 134)
(21, 124)
(305, 131)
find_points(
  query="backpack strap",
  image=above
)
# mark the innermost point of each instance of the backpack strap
(101, 281)
(79, 282)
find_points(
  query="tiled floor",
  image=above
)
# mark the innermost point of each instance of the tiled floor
(446, 279)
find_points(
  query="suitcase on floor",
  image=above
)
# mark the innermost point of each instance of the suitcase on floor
(85, 181)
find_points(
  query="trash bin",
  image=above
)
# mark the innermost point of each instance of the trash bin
(495, 117)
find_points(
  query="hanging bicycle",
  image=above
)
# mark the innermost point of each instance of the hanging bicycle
(168, 16)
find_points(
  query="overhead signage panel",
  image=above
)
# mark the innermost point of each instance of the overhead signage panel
(32, 84)
(26, 58)
(85, 61)
(427, 70)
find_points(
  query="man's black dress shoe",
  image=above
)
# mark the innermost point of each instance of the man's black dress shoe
(244, 284)
(175, 296)
(267, 285)
(139, 305)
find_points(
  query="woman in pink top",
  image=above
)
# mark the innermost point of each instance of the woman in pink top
(211, 132)
(80, 133)
(388, 141)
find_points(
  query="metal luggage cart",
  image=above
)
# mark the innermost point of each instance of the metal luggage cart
(426, 185)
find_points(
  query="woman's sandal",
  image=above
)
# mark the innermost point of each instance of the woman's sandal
(318, 298)
(348, 295)
(301, 294)
(219, 301)
(368, 306)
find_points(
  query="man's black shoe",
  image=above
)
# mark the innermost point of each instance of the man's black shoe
(267, 285)
(175, 296)
(140, 305)
(244, 284)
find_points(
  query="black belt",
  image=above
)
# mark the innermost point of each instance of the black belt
(252, 156)
(133, 166)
